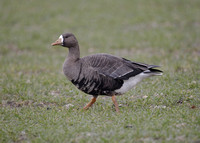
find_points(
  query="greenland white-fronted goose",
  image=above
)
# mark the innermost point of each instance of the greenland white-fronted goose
(102, 74)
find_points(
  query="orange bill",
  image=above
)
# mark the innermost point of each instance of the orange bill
(57, 42)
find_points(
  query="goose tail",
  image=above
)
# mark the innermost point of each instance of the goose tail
(153, 71)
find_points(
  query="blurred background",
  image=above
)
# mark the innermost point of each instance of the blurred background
(155, 31)
(165, 33)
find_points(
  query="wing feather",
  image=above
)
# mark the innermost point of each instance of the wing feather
(115, 67)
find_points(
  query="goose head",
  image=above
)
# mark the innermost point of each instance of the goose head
(66, 40)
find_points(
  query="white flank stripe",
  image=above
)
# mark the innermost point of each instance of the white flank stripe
(131, 82)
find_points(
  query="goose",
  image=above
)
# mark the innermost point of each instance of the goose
(102, 74)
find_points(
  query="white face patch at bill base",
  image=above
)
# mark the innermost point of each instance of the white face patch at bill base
(61, 37)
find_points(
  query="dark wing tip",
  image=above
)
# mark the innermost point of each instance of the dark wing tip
(155, 70)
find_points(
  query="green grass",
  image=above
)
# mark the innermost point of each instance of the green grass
(34, 92)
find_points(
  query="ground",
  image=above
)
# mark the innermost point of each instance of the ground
(38, 104)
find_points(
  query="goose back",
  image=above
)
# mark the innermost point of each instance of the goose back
(115, 67)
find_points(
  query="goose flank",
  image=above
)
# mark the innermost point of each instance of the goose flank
(102, 74)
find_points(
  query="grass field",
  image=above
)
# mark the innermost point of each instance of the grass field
(38, 104)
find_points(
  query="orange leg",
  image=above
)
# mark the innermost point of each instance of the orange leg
(115, 103)
(90, 103)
